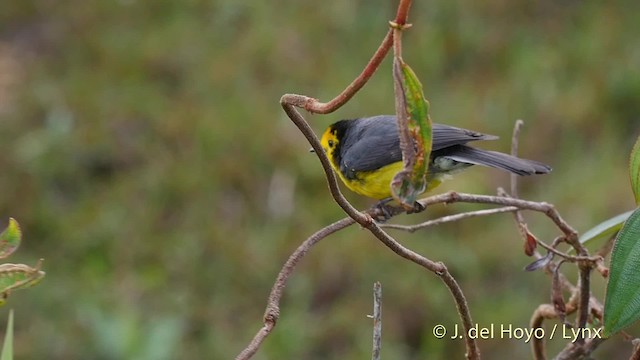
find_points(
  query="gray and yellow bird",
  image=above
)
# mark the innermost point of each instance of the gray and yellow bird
(366, 154)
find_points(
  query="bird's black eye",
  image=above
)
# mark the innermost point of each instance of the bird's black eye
(330, 143)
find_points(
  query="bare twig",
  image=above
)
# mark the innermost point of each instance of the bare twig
(571, 258)
(453, 197)
(272, 312)
(544, 311)
(406, 143)
(574, 351)
(585, 294)
(557, 298)
(449, 218)
(377, 320)
(315, 106)
(288, 101)
(529, 246)
(514, 151)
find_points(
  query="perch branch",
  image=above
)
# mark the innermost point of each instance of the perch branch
(377, 320)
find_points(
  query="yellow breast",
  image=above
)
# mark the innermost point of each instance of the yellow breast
(377, 184)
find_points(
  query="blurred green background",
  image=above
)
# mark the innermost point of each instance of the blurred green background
(145, 154)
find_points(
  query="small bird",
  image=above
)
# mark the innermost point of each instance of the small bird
(366, 154)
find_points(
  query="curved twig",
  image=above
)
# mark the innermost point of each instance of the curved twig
(272, 312)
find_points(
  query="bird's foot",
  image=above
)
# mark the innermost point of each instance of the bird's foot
(381, 211)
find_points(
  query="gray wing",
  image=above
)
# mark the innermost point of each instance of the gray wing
(374, 143)
(445, 136)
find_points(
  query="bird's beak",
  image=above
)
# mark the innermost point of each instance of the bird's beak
(311, 150)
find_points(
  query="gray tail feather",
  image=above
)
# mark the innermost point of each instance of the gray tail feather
(494, 159)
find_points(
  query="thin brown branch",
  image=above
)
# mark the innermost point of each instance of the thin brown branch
(584, 284)
(574, 351)
(515, 138)
(377, 320)
(272, 312)
(544, 311)
(315, 106)
(407, 144)
(288, 101)
(402, 15)
(454, 197)
(571, 258)
(529, 246)
(449, 218)
(548, 312)
(557, 298)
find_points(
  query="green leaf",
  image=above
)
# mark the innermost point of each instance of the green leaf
(10, 239)
(634, 170)
(7, 348)
(409, 183)
(622, 302)
(18, 276)
(606, 229)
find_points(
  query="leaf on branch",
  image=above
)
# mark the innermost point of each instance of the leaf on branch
(415, 128)
(605, 229)
(622, 302)
(634, 170)
(530, 242)
(10, 239)
(18, 276)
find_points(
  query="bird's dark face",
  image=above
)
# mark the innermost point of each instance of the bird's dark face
(331, 141)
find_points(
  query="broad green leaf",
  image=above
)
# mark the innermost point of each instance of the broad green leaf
(634, 170)
(606, 229)
(411, 181)
(7, 348)
(622, 302)
(18, 276)
(10, 239)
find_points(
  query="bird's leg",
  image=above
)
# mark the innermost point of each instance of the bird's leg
(383, 213)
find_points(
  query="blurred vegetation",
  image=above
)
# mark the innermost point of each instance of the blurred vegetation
(144, 151)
